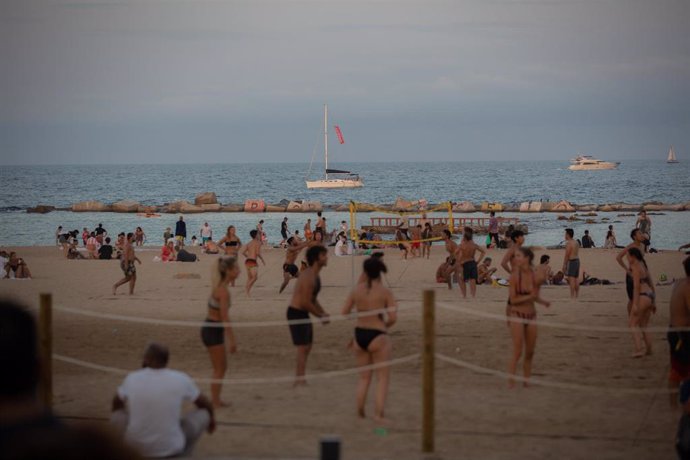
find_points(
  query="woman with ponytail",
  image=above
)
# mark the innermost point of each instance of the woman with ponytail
(371, 342)
(216, 327)
(643, 302)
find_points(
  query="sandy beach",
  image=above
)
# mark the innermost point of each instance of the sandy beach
(477, 415)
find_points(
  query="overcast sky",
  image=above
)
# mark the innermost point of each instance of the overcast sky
(165, 81)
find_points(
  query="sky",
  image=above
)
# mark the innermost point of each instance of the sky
(166, 81)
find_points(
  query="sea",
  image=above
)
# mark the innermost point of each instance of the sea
(635, 181)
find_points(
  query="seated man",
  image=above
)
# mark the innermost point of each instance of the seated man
(211, 247)
(544, 272)
(16, 268)
(105, 252)
(73, 253)
(148, 408)
(485, 271)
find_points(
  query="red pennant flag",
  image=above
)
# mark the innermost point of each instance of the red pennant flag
(339, 133)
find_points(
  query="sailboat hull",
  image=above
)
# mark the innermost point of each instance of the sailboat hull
(335, 183)
(672, 161)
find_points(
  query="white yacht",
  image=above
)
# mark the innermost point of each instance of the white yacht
(342, 179)
(588, 163)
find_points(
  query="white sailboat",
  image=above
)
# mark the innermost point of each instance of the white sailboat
(343, 179)
(671, 156)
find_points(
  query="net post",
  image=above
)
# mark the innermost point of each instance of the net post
(428, 399)
(45, 338)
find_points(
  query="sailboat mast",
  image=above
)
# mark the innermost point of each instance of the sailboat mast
(325, 136)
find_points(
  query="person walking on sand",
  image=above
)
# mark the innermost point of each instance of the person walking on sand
(307, 230)
(637, 238)
(643, 302)
(679, 335)
(252, 254)
(180, 232)
(303, 303)
(290, 270)
(524, 293)
(127, 266)
(427, 234)
(464, 254)
(416, 233)
(571, 263)
(216, 328)
(371, 343)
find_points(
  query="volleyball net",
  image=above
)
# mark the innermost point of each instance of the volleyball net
(401, 222)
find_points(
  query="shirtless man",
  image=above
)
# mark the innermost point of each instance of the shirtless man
(638, 242)
(416, 233)
(304, 302)
(454, 268)
(464, 255)
(679, 341)
(571, 263)
(290, 271)
(252, 253)
(127, 266)
(485, 271)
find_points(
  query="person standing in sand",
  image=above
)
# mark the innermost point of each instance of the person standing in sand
(213, 335)
(643, 302)
(230, 243)
(371, 344)
(679, 339)
(415, 246)
(427, 234)
(571, 263)
(303, 303)
(127, 266)
(252, 253)
(290, 270)
(517, 238)
(180, 232)
(307, 230)
(493, 230)
(524, 292)
(464, 255)
(206, 233)
(638, 242)
(644, 224)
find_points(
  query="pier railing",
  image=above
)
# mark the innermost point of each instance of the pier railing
(458, 222)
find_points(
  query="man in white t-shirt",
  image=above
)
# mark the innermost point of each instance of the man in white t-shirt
(148, 408)
(206, 233)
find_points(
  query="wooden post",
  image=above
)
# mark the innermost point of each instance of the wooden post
(45, 338)
(330, 448)
(428, 374)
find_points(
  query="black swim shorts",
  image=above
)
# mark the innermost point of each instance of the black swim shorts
(302, 333)
(291, 269)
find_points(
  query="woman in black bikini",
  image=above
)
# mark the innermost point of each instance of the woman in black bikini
(643, 302)
(212, 334)
(371, 343)
(524, 292)
(230, 242)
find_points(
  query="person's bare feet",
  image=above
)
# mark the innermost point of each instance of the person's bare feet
(299, 383)
(638, 354)
(649, 351)
(361, 413)
(381, 420)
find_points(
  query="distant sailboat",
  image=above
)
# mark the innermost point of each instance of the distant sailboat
(346, 179)
(671, 156)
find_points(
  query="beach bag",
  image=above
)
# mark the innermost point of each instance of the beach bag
(184, 256)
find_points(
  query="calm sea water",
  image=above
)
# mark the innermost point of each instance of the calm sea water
(633, 182)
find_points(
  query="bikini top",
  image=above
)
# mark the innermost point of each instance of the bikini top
(213, 304)
(231, 243)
